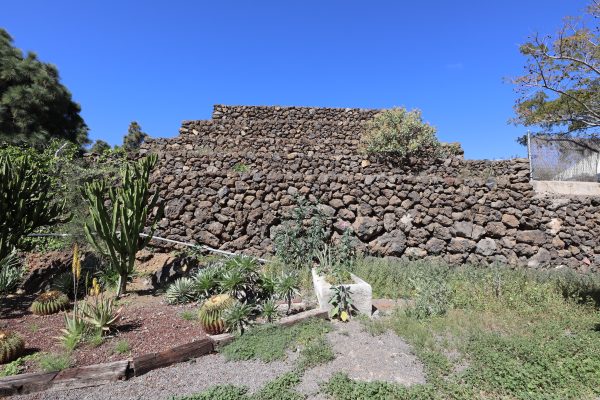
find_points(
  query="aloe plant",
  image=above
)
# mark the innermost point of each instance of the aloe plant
(115, 228)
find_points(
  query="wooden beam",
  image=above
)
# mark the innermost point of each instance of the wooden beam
(185, 352)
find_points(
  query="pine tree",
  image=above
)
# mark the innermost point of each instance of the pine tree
(34, 105)
(134, 138)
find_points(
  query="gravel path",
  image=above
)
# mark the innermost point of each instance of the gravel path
(180, 379)
(366, 358)
(362, 356)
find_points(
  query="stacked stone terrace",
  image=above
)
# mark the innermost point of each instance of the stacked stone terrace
(228, 182)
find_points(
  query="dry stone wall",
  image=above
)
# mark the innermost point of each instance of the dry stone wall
(228, 182)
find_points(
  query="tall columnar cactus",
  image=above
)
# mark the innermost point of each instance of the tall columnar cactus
(11, 346)
(26, 201)
(49, 303)
(115, 226)
(212, 311)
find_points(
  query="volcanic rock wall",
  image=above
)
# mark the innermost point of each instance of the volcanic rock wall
(227, 182)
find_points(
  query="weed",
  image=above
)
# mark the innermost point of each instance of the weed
(49, 362)
(188, 315)
(269, 342)
(122, 347)
(314, 353)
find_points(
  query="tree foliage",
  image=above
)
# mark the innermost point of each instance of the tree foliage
(100, 147)
(115, 227)
(34, 105)
(134, 138)
(559, 92)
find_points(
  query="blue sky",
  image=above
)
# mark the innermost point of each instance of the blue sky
(161, 62)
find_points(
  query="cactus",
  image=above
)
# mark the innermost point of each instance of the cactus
(115, 229)
(49, 303)
(11, 346)
(211, 313)
(26, 201)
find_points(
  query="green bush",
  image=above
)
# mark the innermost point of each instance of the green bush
(401, 134)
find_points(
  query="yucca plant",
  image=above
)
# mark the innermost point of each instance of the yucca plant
(11, 346)
(101, 313)
(211, 313)
(49, 303)
(115, 229)
(286, 287)
(269, 310)
(182, 291)
(237, 317)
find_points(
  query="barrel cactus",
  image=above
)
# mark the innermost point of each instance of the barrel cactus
(50, 302)
(11, 346)
(211, 313)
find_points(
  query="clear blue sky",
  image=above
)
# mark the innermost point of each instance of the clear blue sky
(160, 62)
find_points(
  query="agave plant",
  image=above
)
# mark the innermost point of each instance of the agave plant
(237, 317)
(182, 291)
(49, 303)
(101, 313)
(266, 286)
(286, 286)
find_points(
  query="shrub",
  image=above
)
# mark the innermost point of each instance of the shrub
(400, 134)
(49, 303)
(182, 291)
(301, 235)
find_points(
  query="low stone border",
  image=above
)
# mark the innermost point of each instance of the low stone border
(100, 374)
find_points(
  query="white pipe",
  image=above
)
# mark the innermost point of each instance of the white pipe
(207, 248)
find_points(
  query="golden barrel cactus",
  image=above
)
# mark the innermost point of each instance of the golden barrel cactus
(50, 302)
(11, 346)
(211, 313)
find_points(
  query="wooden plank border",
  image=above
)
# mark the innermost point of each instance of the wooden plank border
(100, 374)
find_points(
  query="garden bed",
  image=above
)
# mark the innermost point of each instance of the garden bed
(147, 325)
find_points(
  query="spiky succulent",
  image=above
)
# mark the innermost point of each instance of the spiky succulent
(181, 291)
(50, 302)
(237, 317)
(211, 313)
(11, 346)
(207, 281)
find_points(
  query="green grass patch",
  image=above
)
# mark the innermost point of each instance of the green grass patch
(503, 333)
(281, 388)
(341, 387)
(50, 362)
(122, 347)
(188, 315)
(316, 352)
(270, 342)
